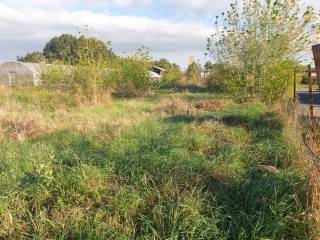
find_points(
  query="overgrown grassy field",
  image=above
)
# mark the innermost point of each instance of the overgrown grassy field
(174, 165)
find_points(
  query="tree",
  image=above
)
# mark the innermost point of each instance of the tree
(61, 48)
(193, 70)
(33, 57)
(70, 49)
(130, 75)
(173, 71)
(208, 66)
(166, 64)
(163, 63)
(257, 42)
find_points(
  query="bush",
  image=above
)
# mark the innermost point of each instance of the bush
(93, 70)
(56, 74)
(90, 80)
(171, 77)
(87, 79)
(193, 72)
(130, 75)
(257, 45)
(215, 80)
(173, 73)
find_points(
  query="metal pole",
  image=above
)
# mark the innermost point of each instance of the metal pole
(311, 100)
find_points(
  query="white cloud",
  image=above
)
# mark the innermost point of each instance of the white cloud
(27, 25)
(29, 29)
(196, 5)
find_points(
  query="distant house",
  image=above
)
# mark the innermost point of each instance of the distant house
(154, 77)
(19, 73)
(159, 70)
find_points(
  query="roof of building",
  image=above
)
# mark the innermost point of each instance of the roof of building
(160, 68)
(33, 67)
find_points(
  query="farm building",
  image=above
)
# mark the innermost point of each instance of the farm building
(159, 70)
(154, 77)
(19, 73)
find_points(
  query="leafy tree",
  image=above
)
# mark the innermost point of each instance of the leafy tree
(62, 48)
(208, 66)
(70, 49)
(256, 44)
(163, 63)
(33, 57)
(130, 75)
(193, 70)
(173, 71)
(143, 53)
(166, 64)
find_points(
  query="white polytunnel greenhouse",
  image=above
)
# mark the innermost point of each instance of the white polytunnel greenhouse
(19, 73)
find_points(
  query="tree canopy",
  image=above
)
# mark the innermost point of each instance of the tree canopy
(166, 64)
(33, 57)
(70, 49)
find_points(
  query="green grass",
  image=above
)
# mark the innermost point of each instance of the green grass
(169, 176)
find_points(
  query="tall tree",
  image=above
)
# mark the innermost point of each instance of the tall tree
(166, 64)
(257, 42)
(33, 57)
(71, 49)
(193, 70)
(62, 48)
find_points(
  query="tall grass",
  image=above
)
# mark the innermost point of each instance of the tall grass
(130, 75)
(192, 172)
(310, 130)
(93, 76)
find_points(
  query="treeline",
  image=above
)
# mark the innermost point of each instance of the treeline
(69, 49)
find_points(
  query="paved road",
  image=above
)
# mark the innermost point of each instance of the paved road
(304, 98)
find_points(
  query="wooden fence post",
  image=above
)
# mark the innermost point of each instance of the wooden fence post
(316, 56)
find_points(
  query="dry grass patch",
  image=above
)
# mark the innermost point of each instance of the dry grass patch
(176, 106)
(20, 124)
(33, 113)
(215, 105)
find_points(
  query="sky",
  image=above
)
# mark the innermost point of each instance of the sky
(173, 29)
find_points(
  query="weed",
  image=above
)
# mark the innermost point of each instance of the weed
(152, 168)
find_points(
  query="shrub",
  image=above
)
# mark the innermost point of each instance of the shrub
(193, 72)
(172, 76)
(87, 77)
(215, 80)
(56, 73)
(130, 75)
(90, 79)
(257, 46)
(173, 72)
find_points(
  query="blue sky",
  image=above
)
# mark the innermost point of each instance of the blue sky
(174, 29)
